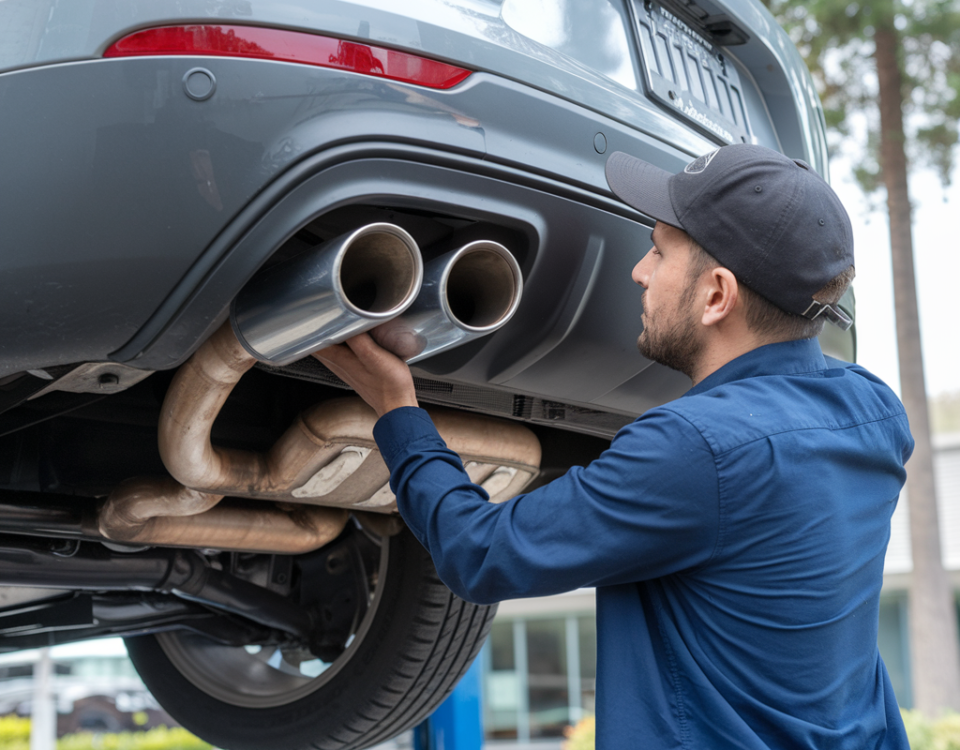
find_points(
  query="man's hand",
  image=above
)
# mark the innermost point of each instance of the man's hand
(379, 377)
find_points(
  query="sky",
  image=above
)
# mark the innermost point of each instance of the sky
(936, 244)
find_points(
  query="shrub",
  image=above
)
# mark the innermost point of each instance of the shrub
(15, 735)
(158, 738)
(942, 734)
(581, 735)
(919, 731)
(14, 728)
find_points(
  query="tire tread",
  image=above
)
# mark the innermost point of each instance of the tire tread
(426, 639)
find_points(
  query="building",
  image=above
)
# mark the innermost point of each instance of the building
(894, 639)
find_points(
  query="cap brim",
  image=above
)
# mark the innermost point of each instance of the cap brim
(641, 185)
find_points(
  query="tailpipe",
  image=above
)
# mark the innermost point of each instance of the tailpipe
(466, 293)
(326, 295)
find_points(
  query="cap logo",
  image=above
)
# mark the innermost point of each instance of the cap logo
(700, 163)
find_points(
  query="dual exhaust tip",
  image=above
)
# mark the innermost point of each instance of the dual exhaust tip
(373, 279)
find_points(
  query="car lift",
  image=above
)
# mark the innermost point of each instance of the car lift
(457, 723)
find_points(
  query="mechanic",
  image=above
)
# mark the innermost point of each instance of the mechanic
(735, 536)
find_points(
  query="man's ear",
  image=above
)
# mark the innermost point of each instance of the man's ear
(722, 295)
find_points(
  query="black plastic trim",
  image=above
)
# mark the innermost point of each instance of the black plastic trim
(200, 301)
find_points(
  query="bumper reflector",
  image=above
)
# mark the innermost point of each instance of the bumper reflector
(288, 46)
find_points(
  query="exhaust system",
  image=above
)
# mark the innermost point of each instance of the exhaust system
(326, 465)
(328, 294)
(467, 293)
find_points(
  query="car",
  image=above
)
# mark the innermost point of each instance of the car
(196, 195)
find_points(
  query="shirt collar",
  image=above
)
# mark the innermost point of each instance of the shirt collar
(785, 358)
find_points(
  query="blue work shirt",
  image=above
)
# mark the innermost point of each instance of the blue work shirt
(736, 537)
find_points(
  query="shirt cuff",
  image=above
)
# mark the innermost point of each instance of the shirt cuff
(396, 430)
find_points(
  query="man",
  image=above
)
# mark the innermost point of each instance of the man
(736, 536)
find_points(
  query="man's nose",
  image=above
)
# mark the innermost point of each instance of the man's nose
(640, 275)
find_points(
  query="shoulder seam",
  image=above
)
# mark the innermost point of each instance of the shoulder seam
(721, 507)
(832, 428)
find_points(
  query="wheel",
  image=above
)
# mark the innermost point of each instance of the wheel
(403, 658)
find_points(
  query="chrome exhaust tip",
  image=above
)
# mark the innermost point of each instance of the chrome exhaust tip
(326, 295)
(467, 293)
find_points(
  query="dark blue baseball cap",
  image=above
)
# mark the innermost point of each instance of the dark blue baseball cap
(773, 221)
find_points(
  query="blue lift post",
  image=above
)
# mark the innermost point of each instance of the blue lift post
(457, 724)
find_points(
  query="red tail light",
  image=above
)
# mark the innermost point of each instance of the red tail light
(288, 46)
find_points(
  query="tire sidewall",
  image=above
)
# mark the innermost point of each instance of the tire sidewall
(367, 680)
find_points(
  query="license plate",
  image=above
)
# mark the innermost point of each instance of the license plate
(689, 75)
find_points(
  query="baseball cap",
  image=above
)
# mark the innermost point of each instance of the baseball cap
(773, 221)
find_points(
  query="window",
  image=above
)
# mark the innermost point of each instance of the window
(594, 34)
(539, 675)
(501, 685)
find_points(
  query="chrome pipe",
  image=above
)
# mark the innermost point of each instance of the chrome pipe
(324, 296)
(466, 293)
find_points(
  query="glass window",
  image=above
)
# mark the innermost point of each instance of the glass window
(594, 34)
(106, 666)
(892, 638)
(501, 702)
(587, 633)
(540, 675)
(547, 677)
(501, 645)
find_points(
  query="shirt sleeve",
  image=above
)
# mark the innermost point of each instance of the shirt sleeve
(648, 507)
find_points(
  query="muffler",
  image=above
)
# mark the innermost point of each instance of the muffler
(467, 293)
(326, 459)
(326, 295)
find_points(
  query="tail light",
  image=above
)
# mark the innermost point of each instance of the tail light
(288, 46)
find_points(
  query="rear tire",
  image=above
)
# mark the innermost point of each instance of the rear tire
(412, 647)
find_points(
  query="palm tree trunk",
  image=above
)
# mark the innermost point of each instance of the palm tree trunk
(934, 657)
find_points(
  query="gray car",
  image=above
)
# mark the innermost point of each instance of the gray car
(196, 195)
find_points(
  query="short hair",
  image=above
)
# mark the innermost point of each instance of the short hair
(764, 317)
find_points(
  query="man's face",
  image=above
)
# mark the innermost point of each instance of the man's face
(671, 332)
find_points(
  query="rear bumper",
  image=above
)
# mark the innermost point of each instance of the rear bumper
(134, 213)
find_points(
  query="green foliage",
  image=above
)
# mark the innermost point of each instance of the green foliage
(581, 735)
(13, 728)
(836, 39)
(158, 738)
(945, 413)
(15, 735)
(942, 734)
(919, 731)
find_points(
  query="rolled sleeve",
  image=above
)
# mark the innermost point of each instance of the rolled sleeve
(648, 507)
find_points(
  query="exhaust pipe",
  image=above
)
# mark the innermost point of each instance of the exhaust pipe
(323, 466)
(336, 290)
(326, 464)
(159, 511)
(466, 293)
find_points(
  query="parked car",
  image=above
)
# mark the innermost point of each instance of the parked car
(197, 194)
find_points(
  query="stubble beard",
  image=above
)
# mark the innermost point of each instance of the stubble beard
(678, 346)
